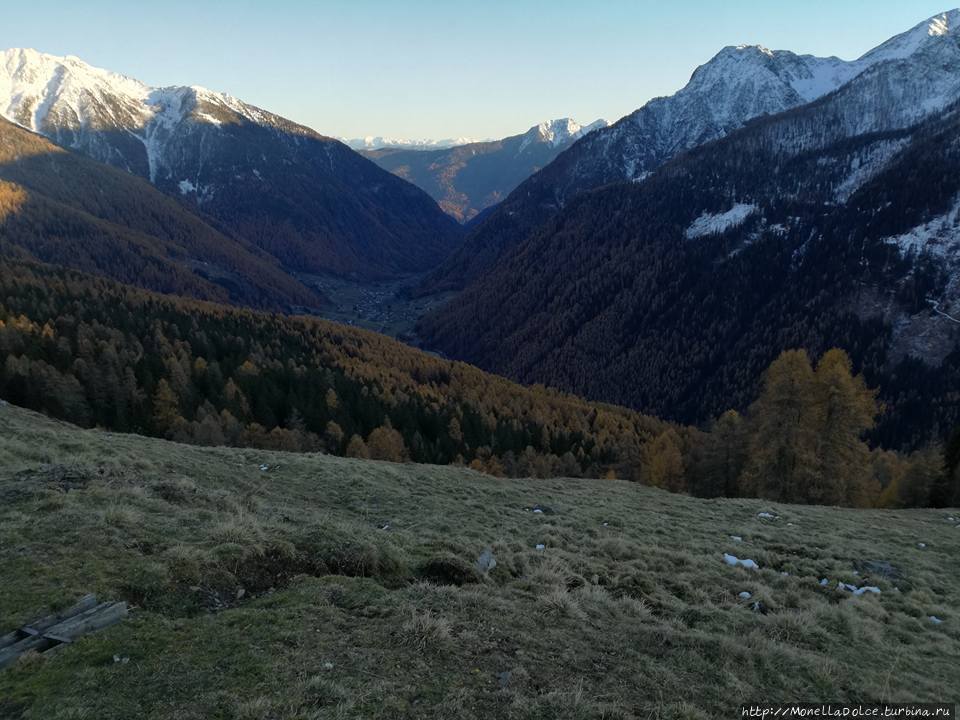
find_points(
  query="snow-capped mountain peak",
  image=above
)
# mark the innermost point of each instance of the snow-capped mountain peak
(557, 132)
(925, 34)
(561, 131)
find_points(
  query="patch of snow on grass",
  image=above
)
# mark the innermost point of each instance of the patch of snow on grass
(858, 591)
(716, 223)
(733, 561)
(187, 187)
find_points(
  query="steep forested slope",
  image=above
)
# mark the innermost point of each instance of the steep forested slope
(96, 352)
(60, 207)
(809, 229)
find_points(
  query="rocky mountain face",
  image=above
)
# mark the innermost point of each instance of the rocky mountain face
(306, 199)
(830, 224)
(469, 178)
(736, 86)
(61, 207)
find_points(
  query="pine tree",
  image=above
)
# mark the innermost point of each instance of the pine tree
(723, 455)
(946, 491)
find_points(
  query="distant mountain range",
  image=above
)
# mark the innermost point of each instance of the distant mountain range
(371, 142)
(738, 84)
(777, 201)
(308, 200)
(471, 177)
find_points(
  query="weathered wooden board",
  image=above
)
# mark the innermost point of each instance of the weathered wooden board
(86, 616)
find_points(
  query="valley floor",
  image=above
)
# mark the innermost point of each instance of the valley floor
(271, 585)
(378, 306)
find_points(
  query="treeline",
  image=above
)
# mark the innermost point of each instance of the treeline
(97, 353)
(802, 441)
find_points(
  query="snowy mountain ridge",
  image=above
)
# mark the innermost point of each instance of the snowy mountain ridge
(307, 199)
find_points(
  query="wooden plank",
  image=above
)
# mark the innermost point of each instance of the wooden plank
(82, 605)
(96, 618)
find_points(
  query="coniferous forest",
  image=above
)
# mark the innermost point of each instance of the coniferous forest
(97, 353)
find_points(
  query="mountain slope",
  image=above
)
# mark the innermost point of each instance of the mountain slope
(738, 84)
(831, 224)
(95, 352)
(60, 207)
(469, 178)
(326, 586)
(308, 200)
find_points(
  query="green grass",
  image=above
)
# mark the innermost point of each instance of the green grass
(278, 594)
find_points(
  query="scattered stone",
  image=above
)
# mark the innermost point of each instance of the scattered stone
(824, 582)
(736, 538)
(767, 516)
(921, 545)
(328, 666)
(784, 573)
(733, 560)
(744, 595)
(759, 607)
(241, 592)
(541, 546)
(541, 509)
(935, 620)
(264, 468)
(486, 562)
(123, 659)
(606, 524)
(385, 526)
(503, 679)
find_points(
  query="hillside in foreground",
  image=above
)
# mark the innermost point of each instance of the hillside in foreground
(275, 585)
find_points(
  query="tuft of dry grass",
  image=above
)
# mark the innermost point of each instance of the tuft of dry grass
(424, 630)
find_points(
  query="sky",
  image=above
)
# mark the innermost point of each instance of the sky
(441, 68)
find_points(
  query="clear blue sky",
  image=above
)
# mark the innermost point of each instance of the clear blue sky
(441, 68)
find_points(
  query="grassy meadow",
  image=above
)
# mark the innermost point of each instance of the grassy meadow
(268, 585)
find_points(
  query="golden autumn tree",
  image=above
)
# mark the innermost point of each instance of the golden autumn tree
(782, 459)
(846, 409)
(385, 443)
(662, 461)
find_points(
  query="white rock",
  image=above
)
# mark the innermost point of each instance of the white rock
(264, 468)
(736, 538)
(744, 595)
(541, 546)
(767, 516)
(935, 620)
